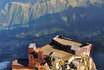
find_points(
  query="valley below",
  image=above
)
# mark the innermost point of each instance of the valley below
(13, 47)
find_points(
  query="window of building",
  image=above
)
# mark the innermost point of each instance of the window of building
(30, 60)
(84, 49)
(30, 57)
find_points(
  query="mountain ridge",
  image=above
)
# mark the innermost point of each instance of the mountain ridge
(15, 13)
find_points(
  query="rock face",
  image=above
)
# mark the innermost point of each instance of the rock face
(83, 62)
(14, 13)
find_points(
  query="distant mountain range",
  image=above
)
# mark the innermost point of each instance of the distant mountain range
(22, 13)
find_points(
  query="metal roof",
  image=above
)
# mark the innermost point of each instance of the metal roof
(47, 49)
(67, 42)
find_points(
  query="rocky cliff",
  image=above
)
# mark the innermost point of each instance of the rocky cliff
(18, 13)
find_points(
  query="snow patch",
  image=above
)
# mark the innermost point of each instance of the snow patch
(3, 65)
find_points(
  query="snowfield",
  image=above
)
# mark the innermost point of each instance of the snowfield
(3, 65)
